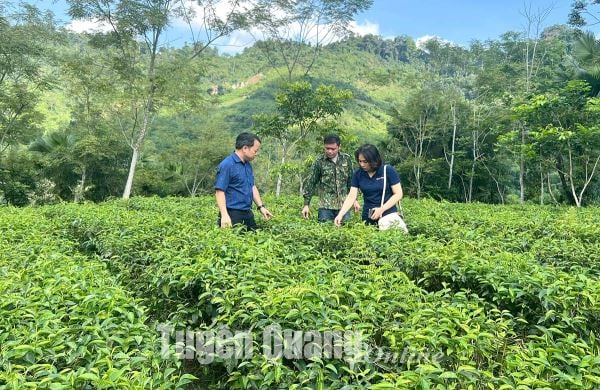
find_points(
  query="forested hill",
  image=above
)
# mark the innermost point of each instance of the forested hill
(506, 120)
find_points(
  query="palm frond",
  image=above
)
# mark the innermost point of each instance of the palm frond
(587, 49)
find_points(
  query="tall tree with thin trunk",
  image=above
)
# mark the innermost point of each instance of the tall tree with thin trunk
(566, 131)
(24, 54)
(295, 31)
(534, 20)
(415, 123)
(301, 111)
(136, 29)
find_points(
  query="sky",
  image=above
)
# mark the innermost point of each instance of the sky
(458, 21)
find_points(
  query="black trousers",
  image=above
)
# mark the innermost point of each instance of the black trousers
(240, 217)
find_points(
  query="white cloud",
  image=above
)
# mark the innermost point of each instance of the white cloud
(89, 26)
(364, 29)
(421, 41)
(221, 10)
(236, 42)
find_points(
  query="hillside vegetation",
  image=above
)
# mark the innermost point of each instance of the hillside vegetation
(509, 120)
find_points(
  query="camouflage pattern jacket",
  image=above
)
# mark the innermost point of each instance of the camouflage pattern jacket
(330, 181)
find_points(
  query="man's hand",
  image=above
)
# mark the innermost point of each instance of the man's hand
(356, 206)
(306, 211)
(225, 221)
(266, 213)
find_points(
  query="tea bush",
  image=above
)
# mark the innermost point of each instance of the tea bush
(65, 322)
(476, 296)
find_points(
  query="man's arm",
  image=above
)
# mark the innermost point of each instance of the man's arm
(221, 184)
(222, 205)
(309, 189)
(311, 182)
(263, 210)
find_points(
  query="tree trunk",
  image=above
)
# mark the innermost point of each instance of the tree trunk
(522, 168)
(471, 176)
(132, 166)
(148, 109)
(454, 125)
(278, 188)
(280, 175)
(588, 178)
(495, 181)
(80, 188)
(563, 180)
(417, 171)
(541, 186)
(550, 189)
(137, 145)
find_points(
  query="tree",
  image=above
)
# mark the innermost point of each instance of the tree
(566, 132)
(414, 124)
(95, 153)
(295, 31)
(192, 160)
(300, 112)
(137, 28)
(582, 13)
(586, 51)
(59, 163)
(25, 37)
(532, 62)
(23, 55)
(19, 180)
(487, 121)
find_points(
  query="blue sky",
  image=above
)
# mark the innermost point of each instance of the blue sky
(459, 21)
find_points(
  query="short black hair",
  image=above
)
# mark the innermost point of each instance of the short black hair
(331, 139)
(371, 154)
(245, 139)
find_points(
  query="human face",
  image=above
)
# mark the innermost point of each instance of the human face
(364, 164)
(249, 152)
(331, 150)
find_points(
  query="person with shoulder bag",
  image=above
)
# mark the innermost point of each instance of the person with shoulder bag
(381, 189)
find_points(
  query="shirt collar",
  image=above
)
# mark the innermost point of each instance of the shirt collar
(237, 158)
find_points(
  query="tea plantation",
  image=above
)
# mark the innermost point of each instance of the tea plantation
(475, 297)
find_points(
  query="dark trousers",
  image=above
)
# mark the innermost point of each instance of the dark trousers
(326, 215)
(241, 217)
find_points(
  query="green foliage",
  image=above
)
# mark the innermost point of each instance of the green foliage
(475, 296)
(18, 178)
(65, 323)
(301, 112)
(565, 134)
(100, 87)
(320, 22)
(24, 41)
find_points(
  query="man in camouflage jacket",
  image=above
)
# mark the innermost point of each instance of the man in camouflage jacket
(330, 178)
